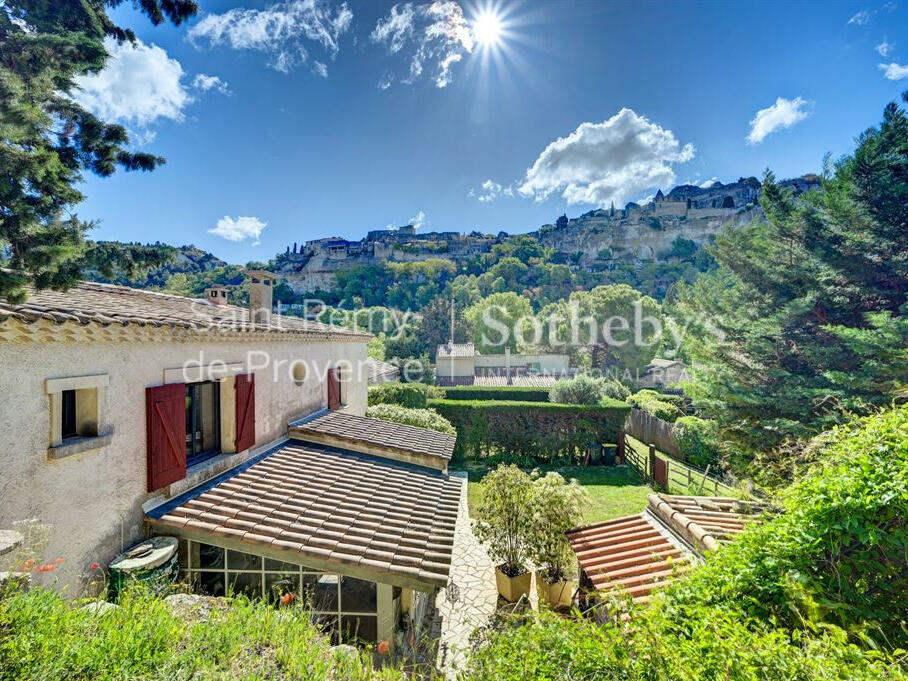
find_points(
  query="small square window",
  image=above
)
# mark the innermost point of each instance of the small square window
(78, 408)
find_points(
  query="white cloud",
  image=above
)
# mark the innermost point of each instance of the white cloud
(280, 30)
(708, 183)
(239, 228)
(438, 32)
(783, 114)
(861, 18)
(885, 48)
(319, 68)
(139, 84)
(386, 80)
(204, 82)
(614, 160)
(490, 190)
(418, 220)
(895, 71)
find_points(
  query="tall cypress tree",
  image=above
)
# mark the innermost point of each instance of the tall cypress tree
(806, 319)
(47, 141)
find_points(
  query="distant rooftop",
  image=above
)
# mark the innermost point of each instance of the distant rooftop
(449, 350)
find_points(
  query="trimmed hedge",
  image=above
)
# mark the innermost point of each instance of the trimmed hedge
(541, 430)
(421, 418)
(410, 395)
(504, 392)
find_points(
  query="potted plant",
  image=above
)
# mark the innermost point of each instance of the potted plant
(556, 506)
(503, 526)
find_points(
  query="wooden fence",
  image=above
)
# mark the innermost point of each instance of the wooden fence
(672, 475)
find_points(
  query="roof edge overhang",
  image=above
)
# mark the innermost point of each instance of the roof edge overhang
(287, 554)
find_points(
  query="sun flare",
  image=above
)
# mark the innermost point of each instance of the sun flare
(487, 28)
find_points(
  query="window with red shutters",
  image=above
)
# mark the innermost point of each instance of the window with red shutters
(244, 386)
(334, 391)
(165, 421)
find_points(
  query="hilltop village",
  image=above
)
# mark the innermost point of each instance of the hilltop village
(594, 241)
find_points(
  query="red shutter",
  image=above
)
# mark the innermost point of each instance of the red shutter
(334, 390)
(244, 385)
(165, 423)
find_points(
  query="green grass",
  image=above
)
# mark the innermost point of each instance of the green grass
(44, 637)
(614, 491)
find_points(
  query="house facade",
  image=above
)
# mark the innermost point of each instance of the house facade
(118, 402)
(462, 364)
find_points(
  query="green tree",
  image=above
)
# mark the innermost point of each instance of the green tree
(495, 321)
(49, 141)
(619, 327)
(805, 321)
(434, 326)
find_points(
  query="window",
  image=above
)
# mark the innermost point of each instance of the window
(345, 607)
(78, 410)
(203, 421)
(69, 428)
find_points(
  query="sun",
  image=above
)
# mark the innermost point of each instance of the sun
(487, 28)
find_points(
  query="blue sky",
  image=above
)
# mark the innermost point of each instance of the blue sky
(578, 104)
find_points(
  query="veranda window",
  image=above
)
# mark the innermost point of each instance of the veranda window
(344, 606)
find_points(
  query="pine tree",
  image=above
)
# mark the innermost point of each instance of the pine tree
(806, 319)
(47, 141)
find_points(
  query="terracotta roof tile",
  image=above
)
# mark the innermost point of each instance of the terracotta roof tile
(377, 432)
(106, 304)
(644, 552)
(407, 528)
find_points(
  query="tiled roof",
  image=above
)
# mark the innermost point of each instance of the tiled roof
(353, 430)
(633, 553)
(106, 304)
(329, 505)
(449, 350)
(377, 371)
(641, 553)
(525, 381)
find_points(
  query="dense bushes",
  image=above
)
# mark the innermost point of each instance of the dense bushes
(46, 637)
(584, 389)
(698, 440)
(504, 392)
(818, 591)
(421, 418)
(657, 404)
(541, 430)
(411, 395)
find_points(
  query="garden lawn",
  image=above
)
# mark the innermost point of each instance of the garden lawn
(614, 491)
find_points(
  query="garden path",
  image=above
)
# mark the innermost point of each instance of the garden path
(471, 596)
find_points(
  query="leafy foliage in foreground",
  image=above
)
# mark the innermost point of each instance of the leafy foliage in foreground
(44, 637)
(819, 591)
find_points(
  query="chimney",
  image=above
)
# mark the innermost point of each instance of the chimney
(216, 295)
(261, 285)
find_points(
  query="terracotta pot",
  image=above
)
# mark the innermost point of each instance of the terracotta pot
(512, 588)
(557, 595)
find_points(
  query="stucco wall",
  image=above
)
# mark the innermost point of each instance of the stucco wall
(457, 366)
(92, 501)
(549, 363)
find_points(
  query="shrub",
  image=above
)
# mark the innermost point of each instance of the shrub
(504, 514)
(698, 440)
(505, 392)
(421, 418)
(582, 389)
(615, 390)
(557, 506)
(541, 430)
(47, 637)
(653, 403)
(411, 395)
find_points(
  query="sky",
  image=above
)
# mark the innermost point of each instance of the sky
(289, 121)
